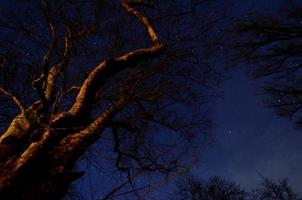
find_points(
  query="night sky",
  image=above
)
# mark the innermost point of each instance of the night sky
(250, 141)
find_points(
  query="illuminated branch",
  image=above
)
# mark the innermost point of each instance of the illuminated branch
(41, 83)
(55, 70)
(107, 69)
(15, 99)
(51, 27)
(144, 20)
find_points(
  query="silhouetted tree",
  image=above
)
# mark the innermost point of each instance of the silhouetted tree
(191, 188)
(272, 45)
(79, 72)
(215, 188)
(274, 191)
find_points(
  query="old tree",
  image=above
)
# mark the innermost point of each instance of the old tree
(76, 72)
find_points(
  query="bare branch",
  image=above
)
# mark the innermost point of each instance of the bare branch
(144, 20)
(72, 146)
(55, 70)
(15, 99)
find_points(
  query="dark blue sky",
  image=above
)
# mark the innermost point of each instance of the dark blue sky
(250, 140)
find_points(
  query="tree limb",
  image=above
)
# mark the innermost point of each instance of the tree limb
(72, 146)
(15, 99)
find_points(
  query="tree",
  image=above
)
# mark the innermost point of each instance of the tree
(215, 188)
(142, 99)
(274, 191)
(272, 44)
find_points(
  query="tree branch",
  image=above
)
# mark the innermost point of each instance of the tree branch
(55, 70)
(72, 146)
(144, 20)
(15, 99)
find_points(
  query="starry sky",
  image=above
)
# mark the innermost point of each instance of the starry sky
(249, 140)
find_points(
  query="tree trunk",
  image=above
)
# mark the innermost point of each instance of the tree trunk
(32, 167)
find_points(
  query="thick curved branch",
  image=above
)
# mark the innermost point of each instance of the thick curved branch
(144, 20)
(15, 99)
(107, 69)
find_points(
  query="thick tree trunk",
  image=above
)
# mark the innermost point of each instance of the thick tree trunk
(38, 181)
(31, 167)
